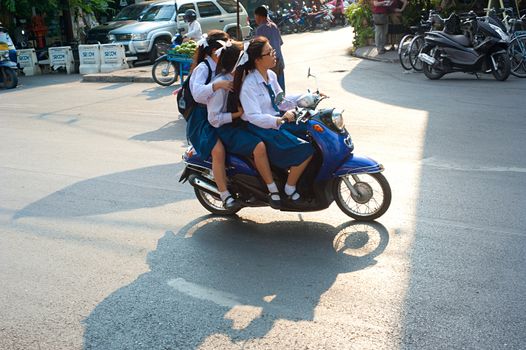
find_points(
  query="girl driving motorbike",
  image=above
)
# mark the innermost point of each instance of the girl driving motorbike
(256, 86)
(231, 129)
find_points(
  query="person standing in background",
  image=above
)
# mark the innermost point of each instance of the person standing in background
(269, 30)
(381, 23)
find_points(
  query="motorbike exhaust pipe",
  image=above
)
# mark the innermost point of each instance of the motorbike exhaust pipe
(424, 57)
(201, 183)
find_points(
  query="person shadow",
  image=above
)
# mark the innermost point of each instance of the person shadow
(232, 278)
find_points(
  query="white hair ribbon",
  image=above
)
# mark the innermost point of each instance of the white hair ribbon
(203, 42)
(243, 55)
(224, 45)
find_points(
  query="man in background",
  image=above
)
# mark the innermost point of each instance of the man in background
(268, 29)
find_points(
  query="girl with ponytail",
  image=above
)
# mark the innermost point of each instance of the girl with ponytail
(201, 134)
(255, 89)
(230, 128)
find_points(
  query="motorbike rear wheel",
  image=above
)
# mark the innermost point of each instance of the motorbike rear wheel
(371, 199)
(431, 72)
(503, 66)
(212, 203)
(9, 78)
(164, 72)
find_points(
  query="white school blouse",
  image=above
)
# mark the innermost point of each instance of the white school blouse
(194, 31)
(217, 104)
(256, 102)
(200, 91)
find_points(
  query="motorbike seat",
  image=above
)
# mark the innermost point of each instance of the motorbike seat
(461, 39)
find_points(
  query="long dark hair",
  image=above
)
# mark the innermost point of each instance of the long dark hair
(202, 52)
(228, 59)
(254, 51)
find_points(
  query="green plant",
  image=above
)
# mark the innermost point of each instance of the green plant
(360, 17)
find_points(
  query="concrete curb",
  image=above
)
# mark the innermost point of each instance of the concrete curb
(370, 53)
(130, 75)
(100, 78)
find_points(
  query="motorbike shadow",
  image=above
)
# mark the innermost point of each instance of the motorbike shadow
(233, 278)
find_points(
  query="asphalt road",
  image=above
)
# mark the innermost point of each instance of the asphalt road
(102, 248)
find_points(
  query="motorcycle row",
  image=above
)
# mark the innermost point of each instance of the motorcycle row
(305, 19)
(468, 43)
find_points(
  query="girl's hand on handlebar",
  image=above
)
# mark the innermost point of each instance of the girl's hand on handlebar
(289, 116)
(223, 84)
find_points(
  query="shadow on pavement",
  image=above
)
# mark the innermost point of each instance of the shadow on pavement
(159, 91)
(139, 188)
(172, 131)
(231, 277)
(467, 257)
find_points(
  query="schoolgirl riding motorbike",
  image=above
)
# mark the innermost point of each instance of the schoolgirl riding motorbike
(335, 173)
(482, 49)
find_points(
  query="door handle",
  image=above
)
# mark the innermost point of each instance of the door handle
(221, 20)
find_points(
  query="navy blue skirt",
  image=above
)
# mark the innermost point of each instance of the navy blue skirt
(201, 134)
(237, 139)
(283, 148)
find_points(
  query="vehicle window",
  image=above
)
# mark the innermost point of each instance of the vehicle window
(183, 8)
(230, 6)
(208, 9)
(159, 13)
(130, 12)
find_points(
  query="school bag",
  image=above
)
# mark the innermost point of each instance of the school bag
(185, 100)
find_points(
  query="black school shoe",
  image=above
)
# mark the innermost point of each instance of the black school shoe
(231, 205)
(274, 203)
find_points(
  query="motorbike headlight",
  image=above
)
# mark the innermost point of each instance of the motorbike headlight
(139, 37)
(112, 37)
(337, 119)
(4, 54)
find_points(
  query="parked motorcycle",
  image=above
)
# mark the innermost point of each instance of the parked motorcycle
(165, 70)
(482, 49)
(335, 173)
(287, 23)
(318, 20)
(8, 68)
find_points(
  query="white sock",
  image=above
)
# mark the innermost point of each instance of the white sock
(290, 190)
(272, 188)
(225, 195)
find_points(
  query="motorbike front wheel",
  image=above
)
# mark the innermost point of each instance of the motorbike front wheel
(503, 70)
(363, 197)
(212, 203)
(9, 78)
(164, 72)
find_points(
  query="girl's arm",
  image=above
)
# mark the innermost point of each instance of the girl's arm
(253, 113)
(215, 107)
(201, 91)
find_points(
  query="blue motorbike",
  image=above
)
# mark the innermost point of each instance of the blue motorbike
(335, 173)
(8, 66)
(167, 67)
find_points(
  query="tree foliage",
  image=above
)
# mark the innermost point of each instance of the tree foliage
(23, 8)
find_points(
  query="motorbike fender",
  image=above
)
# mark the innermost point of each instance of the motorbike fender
(358, 165)
(162, 58)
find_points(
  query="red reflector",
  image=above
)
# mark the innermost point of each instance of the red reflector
(318, 128)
